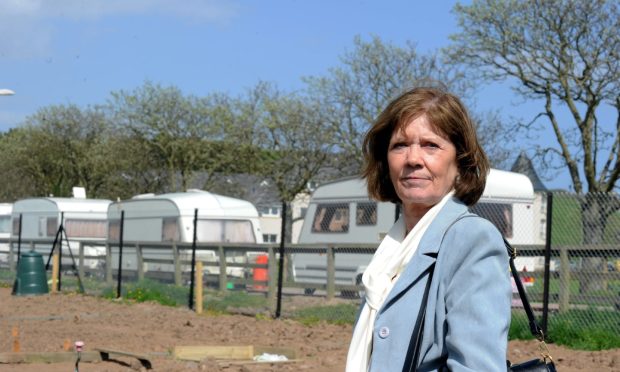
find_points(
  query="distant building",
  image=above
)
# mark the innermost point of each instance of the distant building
(523, 164)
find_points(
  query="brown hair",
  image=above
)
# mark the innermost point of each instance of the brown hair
(448, 116)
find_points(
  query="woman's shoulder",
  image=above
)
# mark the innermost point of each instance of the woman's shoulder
(469, 220)
(472, 230)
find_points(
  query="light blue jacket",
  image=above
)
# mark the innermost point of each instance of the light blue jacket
(468, 313)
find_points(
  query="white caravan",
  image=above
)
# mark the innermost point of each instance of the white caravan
(82, 220)
(170, 218)
(341, 213)
(5, 232)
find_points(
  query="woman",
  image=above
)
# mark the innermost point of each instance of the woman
(423, 152)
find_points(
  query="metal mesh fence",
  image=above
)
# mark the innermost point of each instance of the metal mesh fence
(580, 238)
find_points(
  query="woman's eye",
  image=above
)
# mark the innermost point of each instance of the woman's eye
(430, 145)
(398, 145)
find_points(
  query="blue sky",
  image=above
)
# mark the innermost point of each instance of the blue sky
(79, 51)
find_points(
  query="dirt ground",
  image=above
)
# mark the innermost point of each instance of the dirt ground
(49, 323)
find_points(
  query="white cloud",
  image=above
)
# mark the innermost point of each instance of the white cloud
(27, 26)
(206, 10)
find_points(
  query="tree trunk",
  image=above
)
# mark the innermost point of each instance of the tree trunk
(594, 214)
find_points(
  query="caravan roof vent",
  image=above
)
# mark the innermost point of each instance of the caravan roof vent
(79, 192)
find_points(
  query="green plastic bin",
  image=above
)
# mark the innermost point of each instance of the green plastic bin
(31, 277)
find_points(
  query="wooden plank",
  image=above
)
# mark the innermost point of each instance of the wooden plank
(198, 353)
(142, 358)
(48, 357)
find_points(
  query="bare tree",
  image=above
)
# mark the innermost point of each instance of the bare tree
(352, 95)
(565, 55)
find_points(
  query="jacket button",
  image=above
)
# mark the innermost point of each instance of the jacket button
(384, 332)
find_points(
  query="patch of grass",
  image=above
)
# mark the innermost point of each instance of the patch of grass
(519, 329)
(217, 302)
(336, 314)
(576, 329)
(149, 290)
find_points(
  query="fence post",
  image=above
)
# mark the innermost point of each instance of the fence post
(564, 279)
(198, 291)
(11, 258)
(222, 261)
(139, 262)
(55, 268)
(271, 268)
(108, 264)
(80, 259)
(177, 264)
(331, 285)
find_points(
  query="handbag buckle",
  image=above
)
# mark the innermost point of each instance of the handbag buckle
(544, 351)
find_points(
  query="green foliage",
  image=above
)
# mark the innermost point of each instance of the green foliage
(337, 314)
(221, 302)
(576, 329)
(566, 227)
(149, 290)
(519, 329)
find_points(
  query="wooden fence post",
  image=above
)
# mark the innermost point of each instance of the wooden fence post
(177, 264)
(198, 286)
(108, 264)
(273, 277)
(80, 259)
(564, 279)
(222, 262)
(331, 258)
(139, 262)
(55, 268)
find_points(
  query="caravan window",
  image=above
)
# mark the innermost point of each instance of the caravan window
(499, 214)
(114, 230)
(76, 228)
(331, 218)
(5, 224)
(170, 230)
(51, 226)
(366, 214)
(231, 231)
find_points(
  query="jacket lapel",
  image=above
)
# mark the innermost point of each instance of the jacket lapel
(427, 251)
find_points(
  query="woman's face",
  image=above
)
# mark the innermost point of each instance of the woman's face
(422, 164)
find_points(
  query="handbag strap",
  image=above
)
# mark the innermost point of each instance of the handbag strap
(534, 327)
(411, 360)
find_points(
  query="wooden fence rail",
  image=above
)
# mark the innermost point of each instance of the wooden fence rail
(174, 262)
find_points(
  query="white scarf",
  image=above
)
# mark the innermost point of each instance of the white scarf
(391, 257)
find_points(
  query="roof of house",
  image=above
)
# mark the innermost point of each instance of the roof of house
(524, 165)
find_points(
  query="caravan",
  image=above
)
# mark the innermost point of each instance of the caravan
(340, 213)
(83, 220)
(170, 218)
(5, 232)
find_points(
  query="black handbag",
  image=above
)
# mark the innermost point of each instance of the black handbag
(534, 365)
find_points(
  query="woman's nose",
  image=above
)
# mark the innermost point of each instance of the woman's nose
(414, 155)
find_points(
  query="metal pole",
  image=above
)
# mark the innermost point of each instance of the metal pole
(547, 261)
(281, 266)
(120, 256)
(59, 235)
(191, 285)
